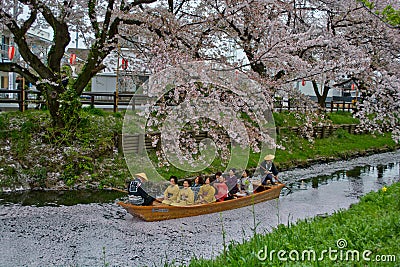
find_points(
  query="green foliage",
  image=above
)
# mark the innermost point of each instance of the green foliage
(20, 142)
(77, 165)
(389, 14)
(285, 119)
(368, 4)
(3, 123)
(94, 111)
(105, 263)
(70, 105)
(10, 171)
(9, 176)
(37, 176)
(295, 119)
(66, 70)
(370, 225)
(342, 134)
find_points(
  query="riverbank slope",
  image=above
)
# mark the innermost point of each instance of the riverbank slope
(33, 158)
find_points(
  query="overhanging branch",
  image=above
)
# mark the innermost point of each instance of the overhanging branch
(13, 67)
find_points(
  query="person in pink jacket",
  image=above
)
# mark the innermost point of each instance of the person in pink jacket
(221, 187)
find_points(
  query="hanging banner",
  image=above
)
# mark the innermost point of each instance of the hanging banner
(11, 52)
(72, 59)
(124, 64)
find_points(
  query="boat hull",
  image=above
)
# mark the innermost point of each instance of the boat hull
(159, 211)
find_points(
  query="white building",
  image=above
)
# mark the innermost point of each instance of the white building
(39, 42)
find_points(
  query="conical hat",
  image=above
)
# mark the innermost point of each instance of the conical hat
(269, 157)
(142, 175)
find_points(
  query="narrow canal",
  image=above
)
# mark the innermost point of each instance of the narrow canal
(89, 229)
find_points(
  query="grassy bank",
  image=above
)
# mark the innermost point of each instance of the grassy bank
(34, 155)
(363, 235)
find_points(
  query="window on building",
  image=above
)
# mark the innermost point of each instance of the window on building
(3, 82)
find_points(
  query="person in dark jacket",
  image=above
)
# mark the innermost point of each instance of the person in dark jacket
(137, 193)
(231, 182)
(198, 182)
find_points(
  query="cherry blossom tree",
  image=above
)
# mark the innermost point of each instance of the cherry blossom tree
(283, 42)
(96, 21)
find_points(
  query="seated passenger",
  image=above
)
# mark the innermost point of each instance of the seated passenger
(244, 182)
(221, 187)
(186, 195)
(171, 194)
(206, 193)
(231, 182)
(198, 181)
(137, 193)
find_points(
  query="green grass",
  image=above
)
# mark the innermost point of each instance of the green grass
(88, 159)
(340, 145)
(285, 119)
(373, 224)
(293, 119)
(342, 117)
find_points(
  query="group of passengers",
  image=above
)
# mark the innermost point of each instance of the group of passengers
(198, 193)
(213, 188)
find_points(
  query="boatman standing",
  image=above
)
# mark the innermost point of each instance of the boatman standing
(137, 193)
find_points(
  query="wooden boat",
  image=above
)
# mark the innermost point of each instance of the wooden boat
(159, 211)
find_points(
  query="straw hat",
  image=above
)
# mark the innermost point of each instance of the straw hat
(142, 175)
(269, 157)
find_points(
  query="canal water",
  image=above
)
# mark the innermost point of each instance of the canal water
(360, 179)
(54, 198)
(51, 229)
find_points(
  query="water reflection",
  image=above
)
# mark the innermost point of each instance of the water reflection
(58, 198)
(360, 179)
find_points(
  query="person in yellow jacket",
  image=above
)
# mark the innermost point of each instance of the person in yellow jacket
(186, 195)
(206, 193)
(171, 194)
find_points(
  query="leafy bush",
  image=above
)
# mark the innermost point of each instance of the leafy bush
(94, 111)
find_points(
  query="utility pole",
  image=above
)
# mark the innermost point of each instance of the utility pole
(12, 76)
(117, 80)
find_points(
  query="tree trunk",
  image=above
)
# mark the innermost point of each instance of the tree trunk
(321, 98)
(54, 107)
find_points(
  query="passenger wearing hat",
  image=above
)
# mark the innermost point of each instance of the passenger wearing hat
(136, 191)
(269, 170)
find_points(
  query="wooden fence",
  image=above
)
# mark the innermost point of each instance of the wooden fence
(136, 143)
(332, 106)
(27, 98)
